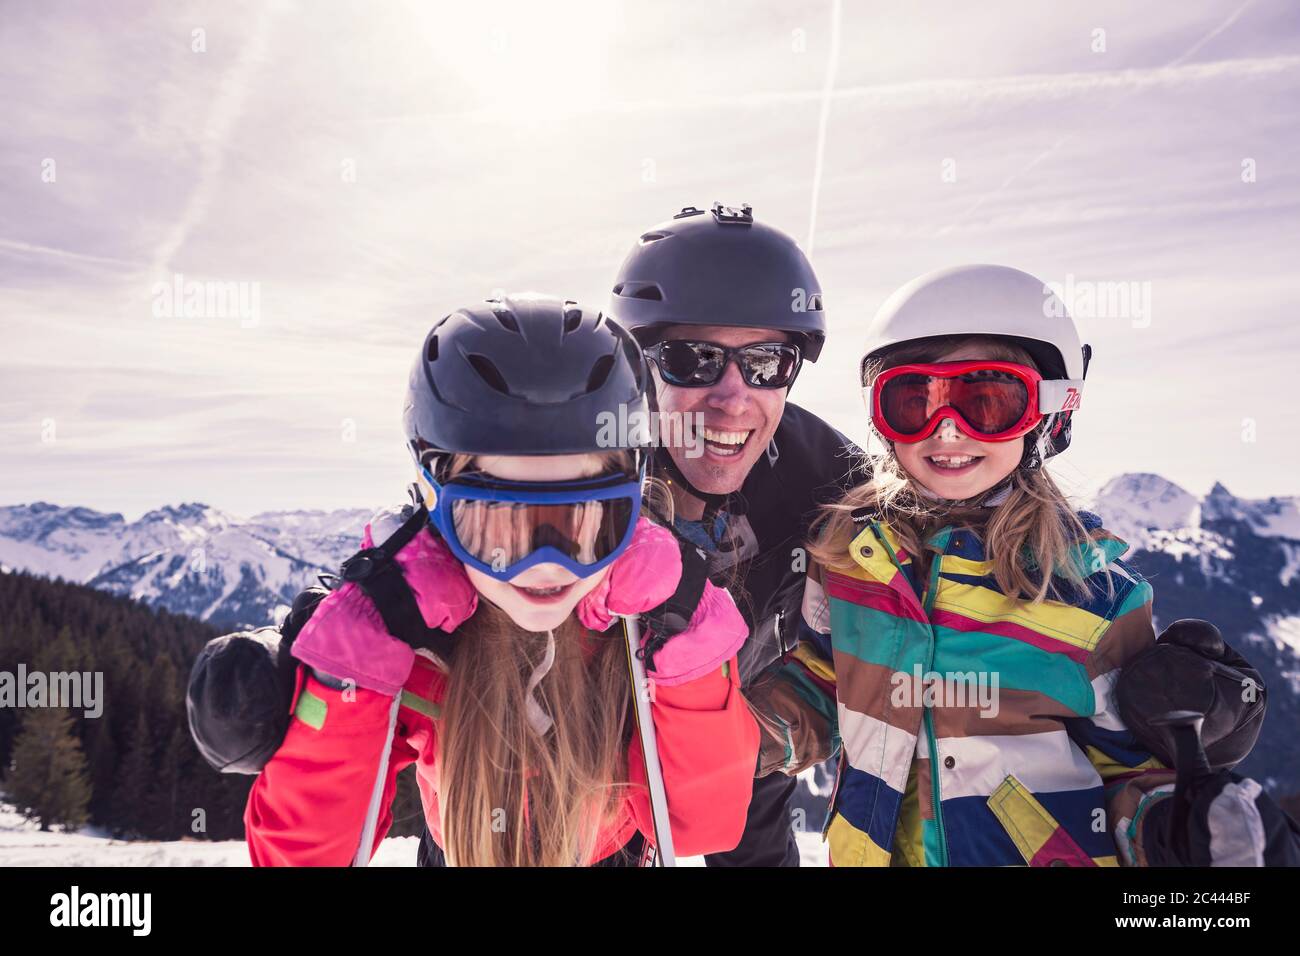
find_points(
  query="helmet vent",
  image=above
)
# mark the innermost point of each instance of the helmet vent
(489, 372)
(649, 291)
(600, 372)
(814, 303)
(572, 319)
(649, 237)
(507, 319)
(431, 349)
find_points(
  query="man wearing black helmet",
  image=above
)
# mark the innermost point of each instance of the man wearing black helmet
(727, 310)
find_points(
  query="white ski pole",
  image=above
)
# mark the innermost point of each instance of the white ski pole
(377, 792)
(649, 747)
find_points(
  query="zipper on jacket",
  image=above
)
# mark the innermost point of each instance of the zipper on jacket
(840, 764)
(929, 717)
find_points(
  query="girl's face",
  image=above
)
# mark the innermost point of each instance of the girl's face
(952, 465)
(540, 598)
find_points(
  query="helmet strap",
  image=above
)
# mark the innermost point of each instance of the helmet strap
(660, 457)
(1040, 443)
(713, 503)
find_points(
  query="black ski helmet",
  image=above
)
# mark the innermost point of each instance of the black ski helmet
(525, 374)
(719, 267)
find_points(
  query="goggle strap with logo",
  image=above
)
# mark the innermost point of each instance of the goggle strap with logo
(1059, 395)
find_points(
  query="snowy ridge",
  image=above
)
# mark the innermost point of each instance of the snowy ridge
(1269, 517)
(188, 558)
(1132, 505)
(1152, 513)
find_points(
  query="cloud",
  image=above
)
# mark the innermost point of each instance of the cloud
(223, 117)
(1252, 67)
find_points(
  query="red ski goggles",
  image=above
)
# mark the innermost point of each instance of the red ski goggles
(989, 401)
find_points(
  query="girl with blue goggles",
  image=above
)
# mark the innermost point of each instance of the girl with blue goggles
(502, 528)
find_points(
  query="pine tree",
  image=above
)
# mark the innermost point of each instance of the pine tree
(136, 754)
(47, 779)
(101, 757)
(133, 786)
(164, 796)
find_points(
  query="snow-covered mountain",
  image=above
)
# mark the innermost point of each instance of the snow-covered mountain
(1145, 509)
(1235, 562)
(1154, 515)
(189, 558)
(1135, 505)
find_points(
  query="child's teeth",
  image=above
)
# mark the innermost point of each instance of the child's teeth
(952, 461)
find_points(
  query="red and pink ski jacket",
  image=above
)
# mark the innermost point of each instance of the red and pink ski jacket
(308, 806)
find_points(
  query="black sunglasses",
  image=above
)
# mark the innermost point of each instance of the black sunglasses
(698, 364)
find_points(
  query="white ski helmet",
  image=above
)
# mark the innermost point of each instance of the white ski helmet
(1006, 303)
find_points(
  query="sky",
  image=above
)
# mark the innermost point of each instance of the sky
(357, 170)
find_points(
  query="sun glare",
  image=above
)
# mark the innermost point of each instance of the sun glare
(522, 59)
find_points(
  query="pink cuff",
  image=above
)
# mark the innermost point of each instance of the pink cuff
(716, 632)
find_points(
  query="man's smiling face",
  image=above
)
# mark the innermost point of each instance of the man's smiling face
(738, 420)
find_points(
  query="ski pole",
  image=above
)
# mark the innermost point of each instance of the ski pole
(1190, 765)
(649, 747)
(367, 844)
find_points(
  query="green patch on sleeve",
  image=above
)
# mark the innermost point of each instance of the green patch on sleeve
(311, 710)
(421, 705)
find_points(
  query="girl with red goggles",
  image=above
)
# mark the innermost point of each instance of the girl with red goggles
(989, 400)
(960, 555)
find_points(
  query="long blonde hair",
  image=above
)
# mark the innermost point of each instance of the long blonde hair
(1031, 536)
(510, 795)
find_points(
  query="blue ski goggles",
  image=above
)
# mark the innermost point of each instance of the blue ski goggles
(503, 528)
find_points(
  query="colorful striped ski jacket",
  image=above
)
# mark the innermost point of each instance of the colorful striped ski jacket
(973, 728)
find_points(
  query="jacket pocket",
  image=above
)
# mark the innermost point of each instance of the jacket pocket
(1041, 840)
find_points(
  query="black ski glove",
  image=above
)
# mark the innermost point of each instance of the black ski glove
(1192, 668)
(1227, 820)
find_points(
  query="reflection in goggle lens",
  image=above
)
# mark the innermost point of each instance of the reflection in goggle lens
(501, 533)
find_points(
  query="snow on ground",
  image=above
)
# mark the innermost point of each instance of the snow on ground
(23, 844)
(1285, 630)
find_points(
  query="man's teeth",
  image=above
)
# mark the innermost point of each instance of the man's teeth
(952, 461)
(730, 440)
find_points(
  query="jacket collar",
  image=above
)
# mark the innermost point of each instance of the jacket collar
(876, 550)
